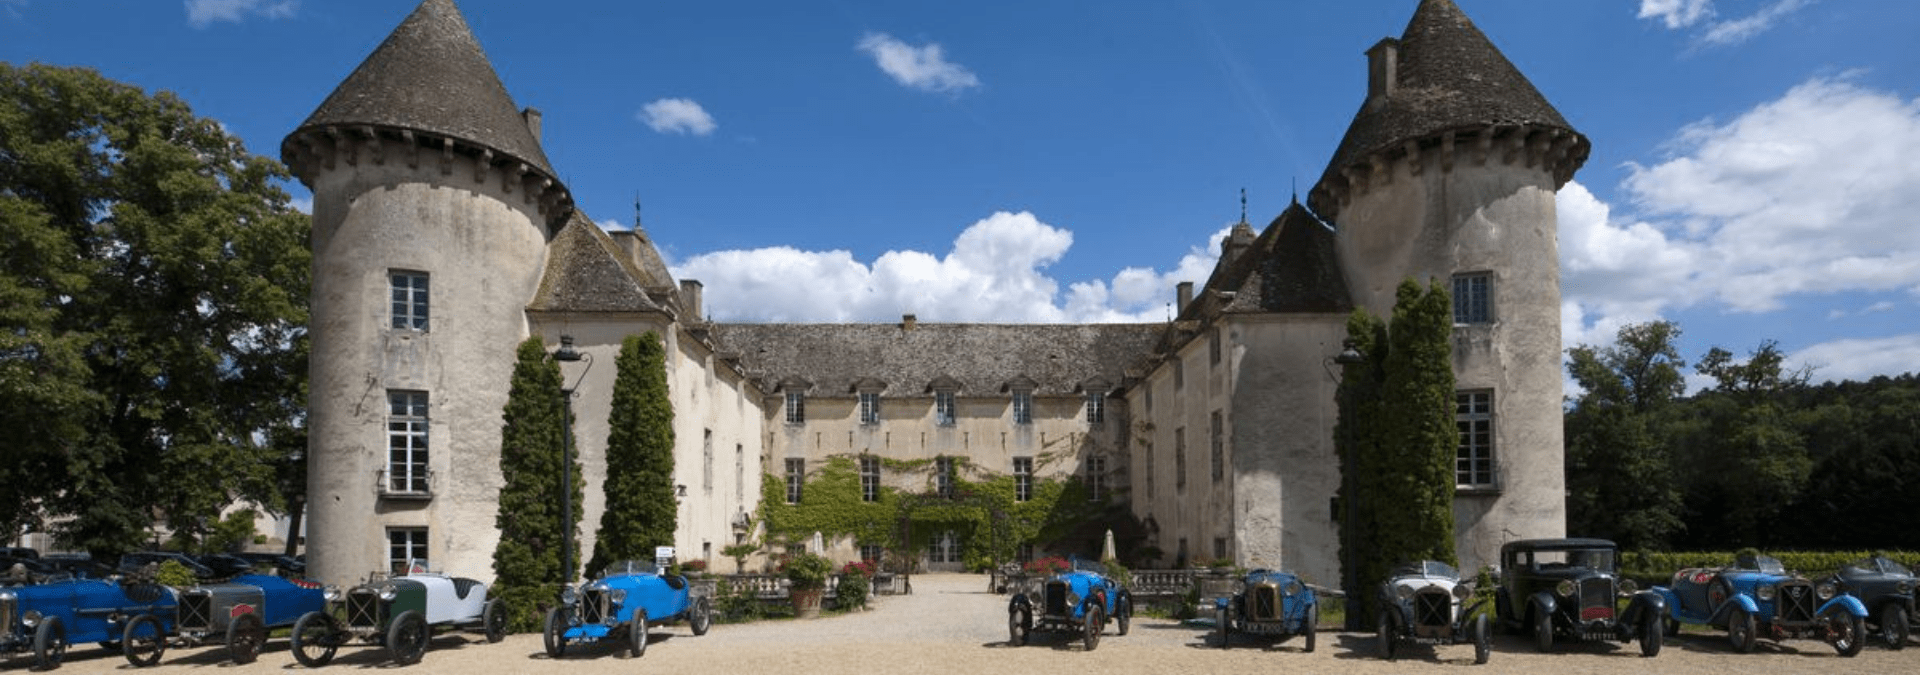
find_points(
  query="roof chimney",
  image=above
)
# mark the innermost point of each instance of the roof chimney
(1184, 292)
(907, 321)
(532, 117)
(1383, 68)
(690, 294)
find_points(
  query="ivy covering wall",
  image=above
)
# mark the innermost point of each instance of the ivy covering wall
(990, 522)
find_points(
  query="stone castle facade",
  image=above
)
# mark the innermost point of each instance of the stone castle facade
(442, 237)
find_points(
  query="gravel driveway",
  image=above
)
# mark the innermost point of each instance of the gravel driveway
(951, 624)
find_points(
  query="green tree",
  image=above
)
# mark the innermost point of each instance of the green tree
(1748, 461)
(153, 309)
(1620, 478)
(526, 563)
(641, 510)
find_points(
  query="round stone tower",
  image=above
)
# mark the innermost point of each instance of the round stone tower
(1448, 174)
(432, 207)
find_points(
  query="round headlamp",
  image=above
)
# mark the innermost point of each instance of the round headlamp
(31, 618)
(1903, 587)
(619, 595)
(1629, 587)
(1404, 592)
(568, 596)
(330, 595)
(1073, 598)
(1826, 590)
(1462, 592)
(388, 593)
(1564, 588)
(1294, 588)
(1765, 592)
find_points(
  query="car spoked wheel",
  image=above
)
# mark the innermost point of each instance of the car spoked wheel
(143, 642)
(1383, 626)
(49, 643)
(493, 619)
(407, 638)
(314, 639)
(702, 616)
(1893, 626)
(637, 634)
(1096, 620)
(1313, 625)
(1019, 626)
(554, 637)
(1847, 633)
(1740, 630)
(245, 635)
(1482, 640)
(1652, 634)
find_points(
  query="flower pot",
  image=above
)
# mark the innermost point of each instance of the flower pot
(806, 602)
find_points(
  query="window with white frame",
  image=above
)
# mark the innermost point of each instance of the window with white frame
(796, 407)
(943, 412)
(1472, 298)
(869, 478)
(1023, 407)
(407, 443)
(944, 548)
(1096, 408)
(1096, 478)
(406, 549)
(869, 407)
(1022, 479)
(872, 552)
(1474, 467)
(943, 474)
(796, 477)
(409, 291)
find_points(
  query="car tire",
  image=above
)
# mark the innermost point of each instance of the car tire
(637, 634)
(1542, 630)
(1096, 619)
(1893, 626)
(1221, 626)
(143, 641)
(407, 637)
(1482, 640)
(1849, 633)
(1313, 625)
(702, 619)
(493, 620)
(315, 638)
(246, 634)
(1741, 630)
(1652, 634)
(1122, 614)
(553, 636)
(1019, 626)
(49, 643)
(1383, 629)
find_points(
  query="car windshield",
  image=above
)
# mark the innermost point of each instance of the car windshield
(1591, 558)
(630, 567)
(1085, 565)
(1764, 564)
(1892, 567)
(1431, 568)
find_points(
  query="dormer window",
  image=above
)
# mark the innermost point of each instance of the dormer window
(1023, 407)
(943, 412)
(869, 407)
(796, 407)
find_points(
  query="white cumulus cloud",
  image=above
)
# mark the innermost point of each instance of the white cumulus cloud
(1681, 14)
(925, 67)
(203, 13)
(677, 116)
(1858, 359)
(1676, 13)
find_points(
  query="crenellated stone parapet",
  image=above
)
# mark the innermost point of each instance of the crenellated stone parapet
(1555, 150)
(312, 150)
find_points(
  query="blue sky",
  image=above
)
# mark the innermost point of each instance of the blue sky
(1753, 173)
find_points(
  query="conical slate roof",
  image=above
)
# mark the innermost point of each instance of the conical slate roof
(1449, 77)
(431, 76)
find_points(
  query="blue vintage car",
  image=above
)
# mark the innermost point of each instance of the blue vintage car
(242, 610)
(1079, 600)
(1757, 596)
(44, 619)
(1268, 602)
(627, 599)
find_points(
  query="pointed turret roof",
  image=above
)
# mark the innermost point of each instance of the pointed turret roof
(588, 272)
(1448, 76)
(431, 76)
(1291, 267)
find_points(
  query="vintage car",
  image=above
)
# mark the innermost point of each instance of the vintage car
(1268, 602)
(1570, 589)
(1757, 596)
(628, 598)
(241, 611)
(43, 619)
(1078, 599)
(1886, 588)
(401, 614)
(1427, 603)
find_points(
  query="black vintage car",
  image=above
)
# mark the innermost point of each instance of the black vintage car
(1887, 589)
(1569, 589)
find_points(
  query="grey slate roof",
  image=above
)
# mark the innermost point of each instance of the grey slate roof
(431, 76)
(982, 358)
(1291, 267)
(1451, 77)
(587, 272)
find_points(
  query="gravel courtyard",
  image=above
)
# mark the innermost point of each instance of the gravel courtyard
(951, 624)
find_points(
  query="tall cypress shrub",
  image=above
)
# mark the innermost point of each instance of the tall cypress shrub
(526, 562)
(642, 510)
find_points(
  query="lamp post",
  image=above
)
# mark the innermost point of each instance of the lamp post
(1349, 355)
(566, 354)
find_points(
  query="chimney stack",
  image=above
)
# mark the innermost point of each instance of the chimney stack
(532, 116)
(1184, 292)
(690, 294)
(1383, 69)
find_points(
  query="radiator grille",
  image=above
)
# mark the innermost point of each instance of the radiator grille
(1266, 603)
(196, 611)
(6, 615)
(595, 605)
(1596, 599)
(1795, 602)
(1057, 598)
(363, 609)
(1433, 608)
